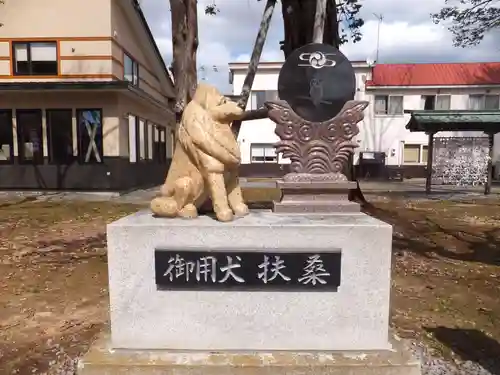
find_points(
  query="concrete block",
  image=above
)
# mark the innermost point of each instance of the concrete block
(102, 359)
(354, 317)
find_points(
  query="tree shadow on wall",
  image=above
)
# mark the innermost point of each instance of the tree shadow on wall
(416, 234)
(470, 345)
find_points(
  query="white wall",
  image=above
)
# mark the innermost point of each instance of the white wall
(377, 132)
(257, 131)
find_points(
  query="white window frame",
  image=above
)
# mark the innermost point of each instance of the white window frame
(420, 153)
(436, 101)
(483, 101)
(267, 95)
(387, 99)
(264, 147)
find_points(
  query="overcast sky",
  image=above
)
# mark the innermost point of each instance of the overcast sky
(407, 34)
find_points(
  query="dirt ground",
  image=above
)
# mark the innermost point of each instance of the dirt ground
(446, 275)
(53, 283)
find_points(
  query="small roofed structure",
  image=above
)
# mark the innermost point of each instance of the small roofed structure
(433, 121)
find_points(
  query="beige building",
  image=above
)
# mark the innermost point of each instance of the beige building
(85, 97)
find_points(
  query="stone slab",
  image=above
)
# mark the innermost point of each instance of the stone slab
(355, 317)
(314, 207)
(317, 185)
(102, 359)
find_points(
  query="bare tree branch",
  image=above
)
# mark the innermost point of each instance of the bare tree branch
(469, 20)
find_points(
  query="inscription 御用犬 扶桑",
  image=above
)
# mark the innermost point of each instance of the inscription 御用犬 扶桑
(210, 270)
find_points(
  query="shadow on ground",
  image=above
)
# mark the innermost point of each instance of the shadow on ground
(470, 345)
(427, 233)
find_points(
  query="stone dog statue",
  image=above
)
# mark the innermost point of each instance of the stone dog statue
(205, 161)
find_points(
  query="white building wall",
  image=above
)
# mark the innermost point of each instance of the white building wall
(384, 133)
(256, 131)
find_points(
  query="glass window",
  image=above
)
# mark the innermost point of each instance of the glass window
(425, 150)
(492, 102)
(429, 102)
(258, 98)
(381, 104)
(6, 137)
(150, 136)
(388, 105)
(142, 131)
(395, 105)
(60, 135)
(132, 138)
(160, 144)
(131, 70)
(172, 143)
(481, 102)
(411, 153)
(443, 102)
(476, 102)
(29, 135)
(38, 58)
(263, 153)
(90, 135)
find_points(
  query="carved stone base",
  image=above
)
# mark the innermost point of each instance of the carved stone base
(318, 152)
(315, 177)
(317, 194)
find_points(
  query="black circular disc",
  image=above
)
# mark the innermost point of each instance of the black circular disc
(317, 80)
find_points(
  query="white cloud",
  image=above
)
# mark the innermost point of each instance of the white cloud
(407, 34)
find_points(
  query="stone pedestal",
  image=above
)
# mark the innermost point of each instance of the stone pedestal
(102, 359)
(355, 317)
(310, 197)
(157, 331)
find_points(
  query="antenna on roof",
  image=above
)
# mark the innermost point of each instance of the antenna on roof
(371, 62)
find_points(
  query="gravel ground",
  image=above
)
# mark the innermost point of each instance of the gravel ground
(432, 365)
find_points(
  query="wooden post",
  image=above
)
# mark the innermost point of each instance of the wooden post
(430, 152)
(489, 176)
(319, 21)
(254, 60)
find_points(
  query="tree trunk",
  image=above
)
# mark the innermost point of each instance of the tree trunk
(184, 45)
(254, 61)
(299, 23)
(298, 18)
(319, 21)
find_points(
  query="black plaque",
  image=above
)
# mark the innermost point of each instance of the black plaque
(316, 81)
(263, 271)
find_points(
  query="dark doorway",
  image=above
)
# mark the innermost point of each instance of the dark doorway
(160, 145)
(60, 136)
(429, 102)
(29, 136)
(6, 137)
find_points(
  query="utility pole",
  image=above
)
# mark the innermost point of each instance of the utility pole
(380, 18)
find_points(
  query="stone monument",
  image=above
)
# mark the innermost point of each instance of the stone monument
(268, 293)
(316, 120)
